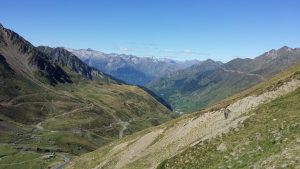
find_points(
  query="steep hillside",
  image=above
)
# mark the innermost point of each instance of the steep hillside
(68, 60)
(267, 64)
(26, 60)
(262, 127)
(53, 102)
(71, 63)
(129, 68)
(269, 138)
(192, 89)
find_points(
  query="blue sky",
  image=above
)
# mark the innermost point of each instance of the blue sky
(179, 29)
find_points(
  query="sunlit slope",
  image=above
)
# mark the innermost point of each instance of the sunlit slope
(271, 104)
(268, 138)
(48, 106)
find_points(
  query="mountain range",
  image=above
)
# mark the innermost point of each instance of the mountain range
(130, 68)
(191, 85)
(260, 131)
(208, 82)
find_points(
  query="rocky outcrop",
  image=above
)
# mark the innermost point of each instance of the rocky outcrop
(66, 59)
(25, 59)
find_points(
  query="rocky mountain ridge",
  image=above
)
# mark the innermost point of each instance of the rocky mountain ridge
(191, 89)
(130, 68)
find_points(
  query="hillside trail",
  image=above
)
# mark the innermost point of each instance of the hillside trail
(146, 150)
(124, 125)
(11, 101)
(22, 162)
(40, 84)
(21, 67)
(86, 108)
(244, 73)
(25, 99)
(89, 107)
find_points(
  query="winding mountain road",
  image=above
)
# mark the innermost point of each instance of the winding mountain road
(63, 164)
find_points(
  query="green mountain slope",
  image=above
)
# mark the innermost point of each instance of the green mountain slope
(269, 138)
(261, 130)
(192, 89)
(56, 103)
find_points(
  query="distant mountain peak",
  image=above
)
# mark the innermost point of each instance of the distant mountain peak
(270, 54)
(211, 61)
(206, 65)
(284, 48)
(66, 58)
(274, 53)
(130, 68)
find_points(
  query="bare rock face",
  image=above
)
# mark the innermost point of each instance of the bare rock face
(24, 58)
(65, 58)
